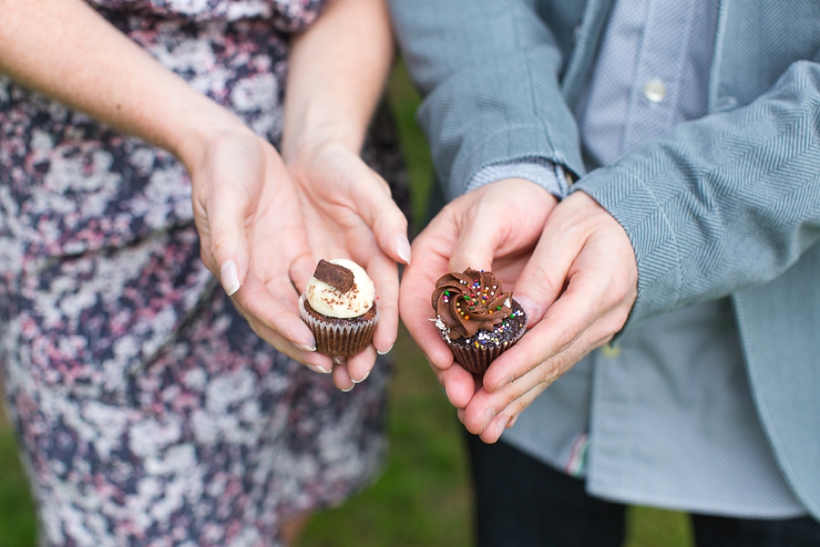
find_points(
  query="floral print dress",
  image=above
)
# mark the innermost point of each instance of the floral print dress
(147, 410)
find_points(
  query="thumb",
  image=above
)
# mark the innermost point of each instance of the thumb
(228, 241)
(543, 278)
(388, 224)
(478, 240)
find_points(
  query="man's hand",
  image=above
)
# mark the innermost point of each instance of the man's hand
(578, 288)
(495, 227)
(349, 213)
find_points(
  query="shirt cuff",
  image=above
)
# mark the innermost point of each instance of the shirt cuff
(549, 176)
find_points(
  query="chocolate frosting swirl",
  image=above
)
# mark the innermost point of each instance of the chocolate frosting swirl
(470, 301)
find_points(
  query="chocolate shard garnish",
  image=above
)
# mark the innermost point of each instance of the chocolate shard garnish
(334, 275)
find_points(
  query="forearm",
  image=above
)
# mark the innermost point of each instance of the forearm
(336, 75)
(727, 202)
(65, 50)
(489, 70)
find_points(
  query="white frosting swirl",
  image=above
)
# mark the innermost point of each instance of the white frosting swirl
(331, 302)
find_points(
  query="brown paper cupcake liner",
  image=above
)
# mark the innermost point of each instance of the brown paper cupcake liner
(339, 338)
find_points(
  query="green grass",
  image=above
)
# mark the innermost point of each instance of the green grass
(18, 523)
(423, 496)
(422, 499)
(404, 100)
(648, 527)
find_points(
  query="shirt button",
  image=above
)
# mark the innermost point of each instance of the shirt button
(610, 351)
(655, 90)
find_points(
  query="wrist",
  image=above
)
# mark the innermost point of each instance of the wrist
(191, 141)
(311, 136)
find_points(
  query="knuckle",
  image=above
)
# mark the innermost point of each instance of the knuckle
(516, 408)
(566, 336)
(543, 372)
(604, 341)
(382, 184)
(611, 323)
(620, 288)
(219, 241)
(547, 372)
(391, 221)
(510, 395)
(619, 319)
(207, 259)
(401, 221)
(276, 320)
(546, 277)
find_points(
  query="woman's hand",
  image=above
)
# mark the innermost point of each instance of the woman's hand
(253, 236)
(336, 75)
(245, 206)
(349, 213)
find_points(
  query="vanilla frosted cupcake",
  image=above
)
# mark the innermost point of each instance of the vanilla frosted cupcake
(476, 317)
(339, 306)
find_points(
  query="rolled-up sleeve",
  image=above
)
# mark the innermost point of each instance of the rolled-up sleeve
(489, 71)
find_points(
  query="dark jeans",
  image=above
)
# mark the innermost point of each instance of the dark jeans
(523, 503)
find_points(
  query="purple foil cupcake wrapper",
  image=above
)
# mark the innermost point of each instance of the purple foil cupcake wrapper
(477, 360)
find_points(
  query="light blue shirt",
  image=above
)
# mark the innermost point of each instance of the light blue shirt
(664, 418)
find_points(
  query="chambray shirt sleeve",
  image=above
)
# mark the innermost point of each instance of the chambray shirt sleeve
(729, 201)
(488, 70)
(549, 176)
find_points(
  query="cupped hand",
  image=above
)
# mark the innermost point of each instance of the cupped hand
(253, 238)
(578, 288)
(349, 213)
(495, 227)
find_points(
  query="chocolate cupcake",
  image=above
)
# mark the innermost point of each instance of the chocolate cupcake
(476, 317)
(339, 307)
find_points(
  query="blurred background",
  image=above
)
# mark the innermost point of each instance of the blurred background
(422, 498)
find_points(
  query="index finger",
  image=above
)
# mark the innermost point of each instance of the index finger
(276, 312)
(431, 251)
(550, 341)
(384, 272)
(459, 385)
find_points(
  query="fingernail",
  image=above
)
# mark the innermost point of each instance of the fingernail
(460, 414)
(362, 380)
(403, 248)
(230, 277)
(512, 422)
(319, 369)
(500, 427)
(385, 352)
(348, 389)
(339, 360)
(530, 307)
(489, 414)
(306, 347)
